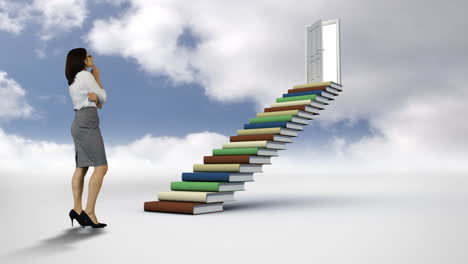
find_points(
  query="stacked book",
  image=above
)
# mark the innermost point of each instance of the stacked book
(228, 169)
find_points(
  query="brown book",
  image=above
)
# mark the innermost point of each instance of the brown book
(182, 207)
(267, 137)
(232, 159)
(307, 89)
(284, 108)
(252, 137)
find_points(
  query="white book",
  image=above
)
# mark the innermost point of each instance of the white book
(250, 168)
(282, 138)
(241, 177)
(298, 102)
(201, 197)
(276, 145)
(305, 114)
(317, 104)
(267, 152)
(231, 186)
(296, 112)
(207, 208)
(328, 95)
(259, 160)
(300, 120)
(296, 126)
(322, 99)
(333, 91)
(312, 109)
(272, 130)
(288, 132)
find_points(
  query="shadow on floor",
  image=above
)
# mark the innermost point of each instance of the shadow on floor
(58, 244)
(308, 202)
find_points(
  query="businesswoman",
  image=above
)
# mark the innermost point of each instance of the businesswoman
(87, 94)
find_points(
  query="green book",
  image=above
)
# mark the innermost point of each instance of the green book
(296, 98)
(235, 151)
(207, 186)
(270, 119)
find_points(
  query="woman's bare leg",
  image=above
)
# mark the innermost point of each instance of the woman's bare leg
(77, 187)
(93, 190)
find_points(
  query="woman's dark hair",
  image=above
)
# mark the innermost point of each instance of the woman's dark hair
(75, 63)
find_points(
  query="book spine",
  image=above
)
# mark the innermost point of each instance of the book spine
(182, 196)
(269, 137)
(170, 207)
(206, 176)
(279, 113)
(245, 144)
(300, 102)
(257, 131)
(265, 125)
(302, 93)
(269, 119)
(284, 108)
(216, 167)
(296, 98)
(307, 85)
(235, 159)
(308, 89)
(195, 186)
(235, 151)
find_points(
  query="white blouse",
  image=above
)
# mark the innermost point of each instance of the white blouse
(84, 83)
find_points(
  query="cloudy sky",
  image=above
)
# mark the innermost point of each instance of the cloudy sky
(183, 78)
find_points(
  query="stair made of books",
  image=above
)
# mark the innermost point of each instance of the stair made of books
(211, 184)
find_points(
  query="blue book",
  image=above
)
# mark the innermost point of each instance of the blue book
(265, 125)
(284, 124)
(302, 93)
(216, 176)
(318, 92)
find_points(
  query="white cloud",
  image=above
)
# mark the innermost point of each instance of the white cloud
(411, 95)
(113, 2)
(54, 17)
(54, 99)
(12, 99)
(238, 57)
(13, 16)
(59, 16)
(24, 160)
(163, 159)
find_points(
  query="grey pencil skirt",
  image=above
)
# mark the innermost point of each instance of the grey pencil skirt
(89, 146)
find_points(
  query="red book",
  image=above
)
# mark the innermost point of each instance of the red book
(182, 207)
(237, 159)
(232, 159)
(284, 108)
(252, 137)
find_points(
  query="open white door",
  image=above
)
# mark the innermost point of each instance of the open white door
(314, 52)
(323, 62)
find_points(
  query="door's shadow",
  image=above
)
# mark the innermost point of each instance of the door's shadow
(57, 244)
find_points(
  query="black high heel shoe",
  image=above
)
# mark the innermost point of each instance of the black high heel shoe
(74, 215)
(88, 222)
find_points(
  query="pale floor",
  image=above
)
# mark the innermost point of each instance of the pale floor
(313, 219)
